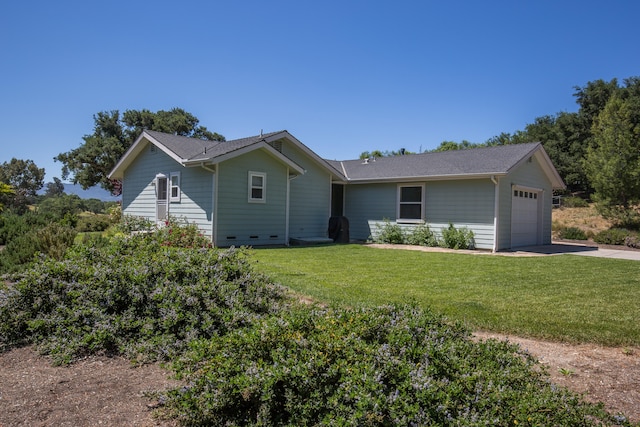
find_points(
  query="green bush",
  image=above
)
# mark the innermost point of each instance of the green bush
(457, 238)
(52, 240)
(423, 236)
(632, 241)
(134, 297)
(572, 233)
(385, 366)
(613, 236)
(574, 202)
(89, 223)
(389, 233)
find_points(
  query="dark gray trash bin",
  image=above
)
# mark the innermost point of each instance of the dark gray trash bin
(339, 229)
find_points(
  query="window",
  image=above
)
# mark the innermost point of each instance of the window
(410, 203)
(175, 187)
(257, 187)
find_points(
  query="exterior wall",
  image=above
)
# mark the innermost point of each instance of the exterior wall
(464, 203)
(310, 197)
(528, 174)
(240, 222)
(139, 197)
(368, 202)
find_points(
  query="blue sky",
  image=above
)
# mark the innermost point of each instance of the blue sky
(342, 76)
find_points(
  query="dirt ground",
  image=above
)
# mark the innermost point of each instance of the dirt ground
(110, 392)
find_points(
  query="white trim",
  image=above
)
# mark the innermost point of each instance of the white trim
(286, 213)
(496, 211)
(262, 187)
(422, 203)
(214, 210)
(244, 150)
(177, 198)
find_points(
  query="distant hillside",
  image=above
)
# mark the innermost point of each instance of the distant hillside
(90, 193)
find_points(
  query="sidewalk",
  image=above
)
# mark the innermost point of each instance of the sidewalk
(560, 248)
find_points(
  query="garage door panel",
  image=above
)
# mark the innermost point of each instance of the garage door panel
(524, 218)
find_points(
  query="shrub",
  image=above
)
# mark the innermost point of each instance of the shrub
(423, 236)
(572, 233)
(457, 238)
(613, 236)
(131, 224)
(389, 233)
(390, 365)
(574, 202)
(632, 241)
(88, 223)
(52, 240)
(134, 297)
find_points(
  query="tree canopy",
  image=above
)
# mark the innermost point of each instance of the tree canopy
(612, 162)
(90, 163)
(25, 178)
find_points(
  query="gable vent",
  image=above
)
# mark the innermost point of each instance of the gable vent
(153, 148)
(277, 145)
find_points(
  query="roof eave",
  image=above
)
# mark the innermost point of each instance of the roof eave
(420, 178)
(136, 148)
(247, 149)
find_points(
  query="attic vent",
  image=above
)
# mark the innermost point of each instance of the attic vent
(153, 148)
(277, 145)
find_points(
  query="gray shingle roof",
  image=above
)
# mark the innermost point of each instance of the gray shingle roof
(193, 149)
(477, 161)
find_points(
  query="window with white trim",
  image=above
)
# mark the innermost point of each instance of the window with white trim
(410, 203)
(257, 187)
(174, 194)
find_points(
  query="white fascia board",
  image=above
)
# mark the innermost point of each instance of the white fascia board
(259, 145)
(136, 148)
(319, 160)
(547, 166)
(404, 179)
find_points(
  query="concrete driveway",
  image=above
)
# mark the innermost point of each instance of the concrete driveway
(560, 248)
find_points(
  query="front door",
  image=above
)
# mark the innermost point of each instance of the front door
(162, 199)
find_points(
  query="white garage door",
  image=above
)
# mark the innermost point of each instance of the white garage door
(525, 218)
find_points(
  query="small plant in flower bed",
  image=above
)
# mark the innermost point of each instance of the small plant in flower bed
(135, 297)
(457, 238)
(390, 365)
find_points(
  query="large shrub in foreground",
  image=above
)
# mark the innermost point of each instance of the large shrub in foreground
(134, 296)
(399, 366)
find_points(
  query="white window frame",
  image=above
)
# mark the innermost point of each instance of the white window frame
(421, 203)
(263, 187)
(174, 185)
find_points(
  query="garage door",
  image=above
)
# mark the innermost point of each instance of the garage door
(525, 217)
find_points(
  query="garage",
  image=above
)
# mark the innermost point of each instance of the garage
(525, 216)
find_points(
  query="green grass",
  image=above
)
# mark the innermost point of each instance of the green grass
(563, 298)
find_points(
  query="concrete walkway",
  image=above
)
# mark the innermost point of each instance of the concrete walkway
(556, 248)
(561, 248)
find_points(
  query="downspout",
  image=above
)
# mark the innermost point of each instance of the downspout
(286, 213)
(214, 211)
(496, 208)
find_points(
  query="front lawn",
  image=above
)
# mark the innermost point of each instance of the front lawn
(564, 298)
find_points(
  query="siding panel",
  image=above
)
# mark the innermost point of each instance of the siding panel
(243, 223)
(138, 191)
(310, 205)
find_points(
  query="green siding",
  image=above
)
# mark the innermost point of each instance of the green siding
(464, 203)
(138, 191)
(368, 202)
(310, 203)
(240, 222)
